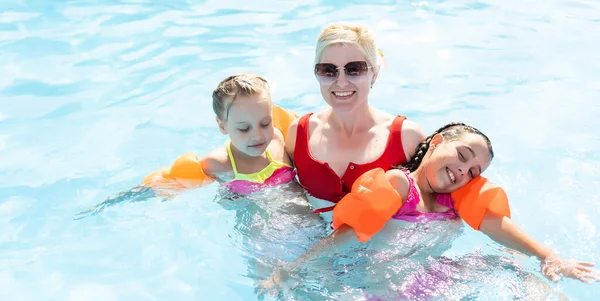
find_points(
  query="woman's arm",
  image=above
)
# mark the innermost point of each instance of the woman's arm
(504, 231)
(412, 135)
(290, 139)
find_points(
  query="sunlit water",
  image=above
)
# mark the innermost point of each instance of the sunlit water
(93, 96)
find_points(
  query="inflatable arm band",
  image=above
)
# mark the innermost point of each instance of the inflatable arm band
(479, 196)
(282, 119)
(370, 204)
(187, 169)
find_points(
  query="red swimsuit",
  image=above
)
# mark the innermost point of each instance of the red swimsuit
(320, 181)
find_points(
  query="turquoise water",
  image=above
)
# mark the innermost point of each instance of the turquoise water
(94, 95)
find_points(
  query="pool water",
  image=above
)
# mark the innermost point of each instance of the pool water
(95, 95)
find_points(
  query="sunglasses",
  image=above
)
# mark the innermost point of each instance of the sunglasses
(328, 73)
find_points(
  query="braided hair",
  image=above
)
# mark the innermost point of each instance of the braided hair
(450, 132)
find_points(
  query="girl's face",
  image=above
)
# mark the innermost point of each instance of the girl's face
(449, 165)
(345, 76)
(249, 124)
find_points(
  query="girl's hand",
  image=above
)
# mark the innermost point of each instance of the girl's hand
(554, 267)
(273, 283)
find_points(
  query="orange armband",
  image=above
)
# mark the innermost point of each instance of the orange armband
(371, 203)
(282, 119)
(186, 171)
(479, 196)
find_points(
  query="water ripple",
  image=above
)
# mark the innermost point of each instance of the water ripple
(93, 96)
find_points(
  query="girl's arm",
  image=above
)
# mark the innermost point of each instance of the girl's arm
(188, 171)
(344, 234)
(504, 231)
(336, 239)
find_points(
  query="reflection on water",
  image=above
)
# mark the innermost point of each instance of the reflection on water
(414, 269)
(272, 227)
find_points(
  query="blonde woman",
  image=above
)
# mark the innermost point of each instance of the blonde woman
(333, 147)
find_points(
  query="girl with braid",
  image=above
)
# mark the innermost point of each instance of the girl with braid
(452, 157)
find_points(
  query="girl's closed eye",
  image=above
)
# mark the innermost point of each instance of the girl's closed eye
(266, 124)
(243, 130)
(462, 157)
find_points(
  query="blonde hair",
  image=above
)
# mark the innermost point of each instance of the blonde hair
(229, 89)
(348, 33)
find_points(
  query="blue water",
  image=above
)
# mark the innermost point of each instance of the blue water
(95, 95)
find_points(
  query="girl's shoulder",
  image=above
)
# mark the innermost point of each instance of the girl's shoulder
(399, 180)
(216, 161)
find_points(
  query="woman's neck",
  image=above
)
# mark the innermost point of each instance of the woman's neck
(352, 121)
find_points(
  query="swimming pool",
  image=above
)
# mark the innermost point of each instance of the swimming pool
(94, 95)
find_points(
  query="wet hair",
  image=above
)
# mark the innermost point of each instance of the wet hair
(450, 132)
(348, 33)
(229, 89)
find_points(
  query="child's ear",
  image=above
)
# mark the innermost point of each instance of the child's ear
(436, 140)
(221, 126)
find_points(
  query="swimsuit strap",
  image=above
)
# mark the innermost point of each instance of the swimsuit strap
(268, 155)
(228, 145)
(413, 198)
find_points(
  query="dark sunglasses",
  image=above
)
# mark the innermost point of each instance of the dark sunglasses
(327, 72)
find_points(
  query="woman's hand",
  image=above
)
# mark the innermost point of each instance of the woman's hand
(554, 267)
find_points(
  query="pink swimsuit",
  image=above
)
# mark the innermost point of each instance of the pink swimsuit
(408, 212)
(275, 173)
(280, 176)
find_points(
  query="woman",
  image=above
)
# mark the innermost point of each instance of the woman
(333, 147)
